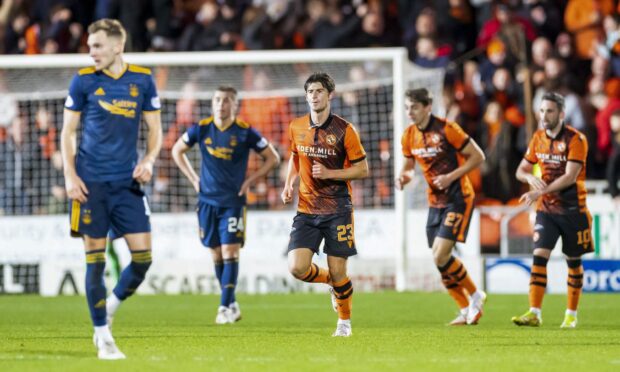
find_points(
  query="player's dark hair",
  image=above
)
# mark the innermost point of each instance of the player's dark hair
(554, 97)
(111, 27)
(227, 89)
(323, 78)
(421, 95)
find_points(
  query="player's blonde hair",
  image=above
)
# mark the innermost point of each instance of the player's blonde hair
(111, 27)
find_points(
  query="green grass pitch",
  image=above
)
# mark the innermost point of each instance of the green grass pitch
(391, 331)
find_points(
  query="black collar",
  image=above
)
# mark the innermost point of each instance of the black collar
(324, 125)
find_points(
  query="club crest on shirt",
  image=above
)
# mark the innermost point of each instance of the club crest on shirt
(560, 146)
(133, 90)
(233, 141)
(330, 139)
(208, 141)
(435, 138)
(86, 217)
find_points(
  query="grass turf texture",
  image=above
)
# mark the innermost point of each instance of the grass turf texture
(396, 331)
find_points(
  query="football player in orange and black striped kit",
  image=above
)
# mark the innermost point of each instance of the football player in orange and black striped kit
(326, 153)
(446, 154)
(561, 211)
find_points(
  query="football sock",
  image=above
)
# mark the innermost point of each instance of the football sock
(455, 290)
(316, 274)
(455, 268)
(343, 291)
(230, 273)
(574, 283)
(95, 287)
(133, 275)
(219, 269)
(538, 281)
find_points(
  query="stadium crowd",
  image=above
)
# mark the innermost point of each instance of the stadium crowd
(499, 56)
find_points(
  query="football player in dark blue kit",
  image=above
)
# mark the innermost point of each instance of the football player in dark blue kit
(225, 143)
(103, 174)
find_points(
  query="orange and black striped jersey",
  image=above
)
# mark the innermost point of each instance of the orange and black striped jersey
(336, 145)
(552, 154)
(437, 150)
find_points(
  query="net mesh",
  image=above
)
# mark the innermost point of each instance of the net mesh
(31, 102)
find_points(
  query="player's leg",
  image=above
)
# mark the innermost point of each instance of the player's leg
(453, 227)
(91, 221)
(545, 236)
(230, 273)
(304, 242)
(576, 241)
(338, 231)
(130, 217)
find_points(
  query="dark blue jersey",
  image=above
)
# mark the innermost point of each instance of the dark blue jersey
(225, 156)
(111, 108)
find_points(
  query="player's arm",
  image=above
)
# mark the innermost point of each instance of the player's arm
(292, 171)
(473, 158)
(524, 174)
(270, 160)
(567, 179)
(180, 158)
(406, 173)
(144, 170)
(356, 171)
(76, 189)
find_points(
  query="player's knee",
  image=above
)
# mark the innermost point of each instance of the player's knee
(337, 274)
(440, 258)
(298, 270)
(140, 263)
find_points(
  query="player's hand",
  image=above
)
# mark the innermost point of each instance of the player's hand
(244, 187)
(76, 189)
(143, 171)
(535, 182)
(442, 181)
(401, 181)
(196, 184)
(287, 194)
(320, 171)
(529, 197)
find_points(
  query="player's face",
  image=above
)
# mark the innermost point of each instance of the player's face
(550, 115)
(416, 111)
(224, 105)
(103, 49)
(318, 97)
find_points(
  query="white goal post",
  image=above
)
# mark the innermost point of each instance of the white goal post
(399, 77)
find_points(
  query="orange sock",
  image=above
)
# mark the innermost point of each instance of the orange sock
(344, 298)
(457, 271)
(455, 291)
(316, 274)
(538, 281)
(574, 283)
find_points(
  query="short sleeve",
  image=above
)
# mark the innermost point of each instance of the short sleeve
(255, 141)
(76, 98)
(151, 99)
(578, 149)
(353, 145)
(191, 136)
(291, 138)
(405, 143)
(530, 154)
(456, 136)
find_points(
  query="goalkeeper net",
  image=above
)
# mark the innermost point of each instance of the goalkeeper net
(33, 90)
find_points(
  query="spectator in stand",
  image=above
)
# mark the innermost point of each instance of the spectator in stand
(15, 35)
(546, 17)
(603, 126)
(428, 54)
(214, 29)
(496, 59)
(584, 19)
(541, 51)
(460, 26)
(336, 29)
(613, 165)
(555, 81)
(506, 25)
(610, 47)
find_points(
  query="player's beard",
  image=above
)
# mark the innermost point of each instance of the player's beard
(551, 125)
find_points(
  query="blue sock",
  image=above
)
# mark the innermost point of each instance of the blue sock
(133, 275)
(229, 281)
(95, 287)
(219, 269)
